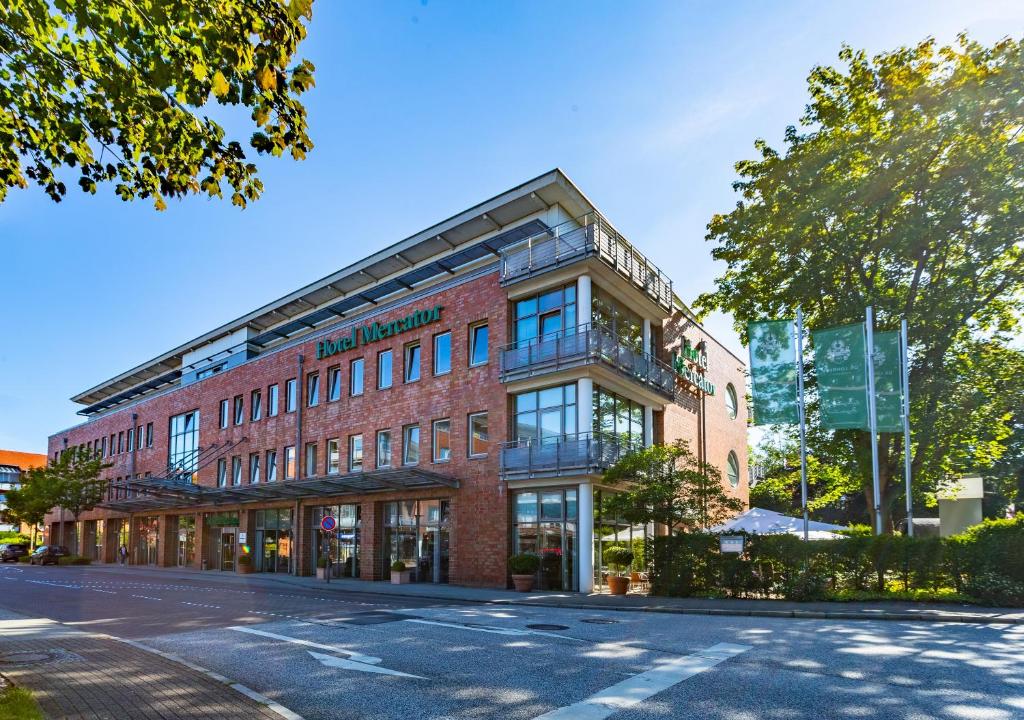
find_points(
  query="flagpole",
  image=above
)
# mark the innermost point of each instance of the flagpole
(906, 425)
(803, 420)
(869, 324)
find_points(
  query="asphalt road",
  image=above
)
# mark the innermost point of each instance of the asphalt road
(335, 655)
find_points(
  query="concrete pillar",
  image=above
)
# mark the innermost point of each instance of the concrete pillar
(648, 426)
(585, 510)
(584, 302)
(648, 350)
(585, 405)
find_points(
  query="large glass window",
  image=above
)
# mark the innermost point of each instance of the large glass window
(333, 384)
(546, 415)
(442, 353)
(478, 439)
(545, 524)
(183, 448)
(410, 445)
(333, 457)
(272, 540)
(383, 448)
(343, 545)
(355, 453)
(412, 362)
(545, 315)
(416, 534)
(616, 416)
(613, 315)
(442, 440)
(384, 369)
(478, 344)
(356, 377)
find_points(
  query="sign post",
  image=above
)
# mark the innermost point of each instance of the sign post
(869, 326)
(905, 378)
(328, 525)
(803, 417)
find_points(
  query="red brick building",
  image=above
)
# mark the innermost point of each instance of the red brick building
(448, 401)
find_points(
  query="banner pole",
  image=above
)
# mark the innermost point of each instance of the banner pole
(906, 424)
(869, 326)
(801, 406)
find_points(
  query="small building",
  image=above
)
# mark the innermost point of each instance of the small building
(12, 464)
(960, 504)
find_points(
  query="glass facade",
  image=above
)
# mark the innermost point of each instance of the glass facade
(616, 416)
(272, 540)
(545, 415)
(416, 534)
(147, 540)
(342, 544)
(545, 315)
(183, 446)
(186, 540)
(545, 524)
(612, 314)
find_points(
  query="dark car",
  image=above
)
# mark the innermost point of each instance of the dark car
(10, 552)
(47, 555)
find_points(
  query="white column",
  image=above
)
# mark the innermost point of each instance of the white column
(583, 301)
(647, 337)
(585, 510)
(585, 406)
(648, 426)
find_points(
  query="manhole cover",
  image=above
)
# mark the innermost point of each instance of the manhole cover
(37, 657)
(599, 621)
(542, 626)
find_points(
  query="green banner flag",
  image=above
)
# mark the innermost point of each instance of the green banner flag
(888, 395)
(773, 371)
(839, 357)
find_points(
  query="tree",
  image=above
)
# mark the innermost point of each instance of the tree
(30, 502)
(119, 90)
(74, 475)
(904, 190)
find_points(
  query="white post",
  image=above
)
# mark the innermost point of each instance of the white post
(648, 426)
(905, 377)
(803, 421)
(647, 337)
(585, 510)
(584, 407)
(869, 325)
(583, 301)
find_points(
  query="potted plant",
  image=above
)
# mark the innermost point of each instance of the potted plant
(619, 560)
(245, 563)
(400, 574)
(524, 570)
(321, 567)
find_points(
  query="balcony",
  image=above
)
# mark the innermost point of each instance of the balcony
(577, 240)
(564, 455)
(588, 345)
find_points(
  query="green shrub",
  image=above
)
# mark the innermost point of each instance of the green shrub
(994, 589)
(74, 560)
(13, 537)
(524, 564)
(618, 558)
(321, 562)
(24, 559)
(398, 566)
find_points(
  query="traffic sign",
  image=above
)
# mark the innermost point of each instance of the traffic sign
(328, 523)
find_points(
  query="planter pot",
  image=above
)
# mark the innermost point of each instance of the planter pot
(403, 577)
(321, 573)
(244, 569)
(618, 585)
(523, 583)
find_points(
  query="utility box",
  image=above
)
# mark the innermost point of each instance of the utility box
(960, 504)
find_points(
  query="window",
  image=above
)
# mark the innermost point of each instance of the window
(478, 344)
(149, 435)
(138, 438)
(333, 457)
(442, 440)
(271, 466)
(545, 415)
(546, 316)
(239, 409)
(222, 472)
(103, 449)
(112, 446)
(333, 384)
(617, 417)
(289, 463)
(225, 408)
(356, 377)
(383, 448)
(131, 439)
(254, 468)
(443, 353)
(732, 469)
(183, 443)
(312, 389)
(731, 402)
(289, 395)
(478, 434)
(256, 405)
(412, 362)
(355, 452)
(410, 445)
(236, 470)
(272, 401)
(310, 459)
(384, 369)
(620, 320)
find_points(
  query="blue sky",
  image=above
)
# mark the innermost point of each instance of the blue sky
(422, 109)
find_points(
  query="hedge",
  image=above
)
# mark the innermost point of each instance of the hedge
(74, 560)
(985, 564)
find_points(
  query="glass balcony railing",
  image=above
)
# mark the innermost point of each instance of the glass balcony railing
(581, 453)
(584, 346)
(588, 236)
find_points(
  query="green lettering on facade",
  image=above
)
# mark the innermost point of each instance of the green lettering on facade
(375, 331)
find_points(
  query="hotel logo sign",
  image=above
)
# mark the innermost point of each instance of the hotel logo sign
(691, 364)
(377, 331)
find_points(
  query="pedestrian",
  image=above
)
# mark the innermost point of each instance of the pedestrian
(122, 555)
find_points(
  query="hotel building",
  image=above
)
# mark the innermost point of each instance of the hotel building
(449, 400)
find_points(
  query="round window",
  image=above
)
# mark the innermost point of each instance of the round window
(731, 403)
(732, 470)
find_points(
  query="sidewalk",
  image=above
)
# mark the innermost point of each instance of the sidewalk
(88, 676)
(895, 611)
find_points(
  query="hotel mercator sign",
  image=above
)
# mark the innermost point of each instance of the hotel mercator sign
(690, 364)
(375, 331)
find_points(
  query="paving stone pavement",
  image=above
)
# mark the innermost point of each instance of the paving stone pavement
(90, 677)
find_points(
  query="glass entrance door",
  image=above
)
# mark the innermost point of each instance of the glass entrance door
(545, 525)
(227, 550)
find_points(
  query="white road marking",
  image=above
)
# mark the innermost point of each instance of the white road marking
(490, 629)
(344, 664)
(638, 688)
(357, 657)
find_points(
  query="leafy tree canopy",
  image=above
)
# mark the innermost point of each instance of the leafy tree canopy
(903, 188)
(117, 90)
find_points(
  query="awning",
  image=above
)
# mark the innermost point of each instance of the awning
(163, 493)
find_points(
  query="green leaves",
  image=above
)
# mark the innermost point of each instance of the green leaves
(115, 91)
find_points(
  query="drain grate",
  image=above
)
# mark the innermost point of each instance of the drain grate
(542, 626)
(599, 621)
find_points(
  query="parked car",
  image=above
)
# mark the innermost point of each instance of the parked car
(47, 555)
(10, 552)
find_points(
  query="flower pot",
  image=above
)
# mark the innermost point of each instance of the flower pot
(618, 584)
(401, 577)
(321, 573)
(523, 583)
(244, 568)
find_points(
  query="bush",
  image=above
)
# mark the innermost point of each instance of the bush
(618, 558)
(74, 560)
(13, 537)
(24, 559)
(398, 566)
(321, 562)
(993, 589)
(524, 564)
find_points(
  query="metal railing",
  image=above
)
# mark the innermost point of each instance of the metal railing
(563, 455)
(587, 236)
(581, 346)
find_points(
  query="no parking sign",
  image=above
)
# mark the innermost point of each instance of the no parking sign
(328, 523)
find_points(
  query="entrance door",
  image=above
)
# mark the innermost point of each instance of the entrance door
(227, 550)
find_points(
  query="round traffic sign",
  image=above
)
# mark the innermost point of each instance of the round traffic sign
(328, 523)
